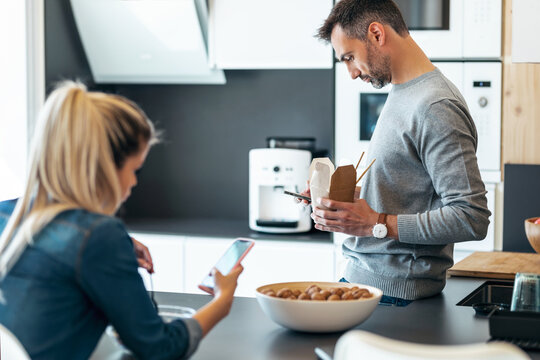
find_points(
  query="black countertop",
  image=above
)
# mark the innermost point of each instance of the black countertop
(248, 334)
(219, 228)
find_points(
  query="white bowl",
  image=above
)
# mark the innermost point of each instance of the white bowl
(167, 312)
(317, 315)
(172, 312)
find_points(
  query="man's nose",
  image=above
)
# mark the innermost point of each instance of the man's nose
(354, 72)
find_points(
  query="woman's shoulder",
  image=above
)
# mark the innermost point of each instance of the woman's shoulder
(87, 221)
(107, 243)
(83, 229)
(7, 207)
(99, 229)
(93, 236)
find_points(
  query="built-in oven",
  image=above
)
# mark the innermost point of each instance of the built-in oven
(455, 29)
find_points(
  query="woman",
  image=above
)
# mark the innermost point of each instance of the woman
(68, 266)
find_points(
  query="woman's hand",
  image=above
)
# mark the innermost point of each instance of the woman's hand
(209, 315)
(143, 256)
(225, 285)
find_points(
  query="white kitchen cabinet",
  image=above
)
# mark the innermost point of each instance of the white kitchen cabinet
(181, 262)
(268, 262)
(284, 261)
(268, 34)
(168, 257)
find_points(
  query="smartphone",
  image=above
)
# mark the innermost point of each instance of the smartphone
(308, 199)
(230, 259)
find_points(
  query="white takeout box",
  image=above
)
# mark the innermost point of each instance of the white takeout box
(325, 182)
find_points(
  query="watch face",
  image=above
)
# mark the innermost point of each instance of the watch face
(379, 231)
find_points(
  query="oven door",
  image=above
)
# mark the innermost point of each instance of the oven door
(358, 106)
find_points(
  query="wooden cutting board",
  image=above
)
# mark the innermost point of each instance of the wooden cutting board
(496, 265)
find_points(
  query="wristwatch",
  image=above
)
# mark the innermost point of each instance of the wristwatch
(380, 230)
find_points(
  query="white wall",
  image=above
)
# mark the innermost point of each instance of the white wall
(13, 98)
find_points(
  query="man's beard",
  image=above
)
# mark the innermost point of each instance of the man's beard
(379, 68)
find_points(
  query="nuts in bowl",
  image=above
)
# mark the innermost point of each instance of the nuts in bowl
(314, 292)
(318, 306)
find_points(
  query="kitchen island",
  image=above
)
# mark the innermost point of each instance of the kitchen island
(248, 334)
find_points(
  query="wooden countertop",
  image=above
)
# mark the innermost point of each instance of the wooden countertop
(496, 265)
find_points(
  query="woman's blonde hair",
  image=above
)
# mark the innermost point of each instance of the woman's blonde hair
(81, 140)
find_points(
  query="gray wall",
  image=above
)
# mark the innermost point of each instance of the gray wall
(201, 170)
(521, 201)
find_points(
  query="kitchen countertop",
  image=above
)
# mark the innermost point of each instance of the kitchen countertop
(248, 334)
(218, 228)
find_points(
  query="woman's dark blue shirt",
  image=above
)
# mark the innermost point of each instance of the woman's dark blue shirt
(79, 275)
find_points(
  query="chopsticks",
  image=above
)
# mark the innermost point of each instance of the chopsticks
(358, 163)
(365, 171)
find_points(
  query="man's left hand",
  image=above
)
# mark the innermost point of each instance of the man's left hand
(356, 218)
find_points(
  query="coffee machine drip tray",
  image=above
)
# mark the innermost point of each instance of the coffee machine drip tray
(277, 223)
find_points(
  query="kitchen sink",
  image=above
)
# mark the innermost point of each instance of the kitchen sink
(491, 291)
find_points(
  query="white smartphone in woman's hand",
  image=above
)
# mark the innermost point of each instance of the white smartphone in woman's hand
(230, 259)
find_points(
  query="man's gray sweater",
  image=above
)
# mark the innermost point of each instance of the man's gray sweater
(427, 174)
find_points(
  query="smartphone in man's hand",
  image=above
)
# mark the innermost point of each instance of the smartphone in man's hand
(299, 196)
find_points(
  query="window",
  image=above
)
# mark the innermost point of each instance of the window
(13, 98)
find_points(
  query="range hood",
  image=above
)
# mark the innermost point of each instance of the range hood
(146, 41)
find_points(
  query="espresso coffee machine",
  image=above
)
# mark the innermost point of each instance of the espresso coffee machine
(271, 171)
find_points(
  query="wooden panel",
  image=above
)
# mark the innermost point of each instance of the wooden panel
(496, 265)
(521, 108)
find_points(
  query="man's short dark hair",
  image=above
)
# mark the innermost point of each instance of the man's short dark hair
(354, 17)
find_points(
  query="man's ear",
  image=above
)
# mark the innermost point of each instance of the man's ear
(377, 33)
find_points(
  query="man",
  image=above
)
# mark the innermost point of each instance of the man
(424, 191)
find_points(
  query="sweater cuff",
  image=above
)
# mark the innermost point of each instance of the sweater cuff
(195, 335)
(407, 228)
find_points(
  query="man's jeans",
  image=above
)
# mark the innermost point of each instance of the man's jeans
(388, 300)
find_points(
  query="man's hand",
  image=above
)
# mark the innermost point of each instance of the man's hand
(355, 218)
(357, 191)
(306, 192)
(143, 256)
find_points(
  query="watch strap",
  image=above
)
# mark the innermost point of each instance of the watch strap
(382, 218)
